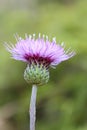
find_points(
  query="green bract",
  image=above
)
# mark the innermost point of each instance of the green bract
(36, 74)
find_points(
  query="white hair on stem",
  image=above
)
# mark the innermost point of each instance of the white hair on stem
(33, 107)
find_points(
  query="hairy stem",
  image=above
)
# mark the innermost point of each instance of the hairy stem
(33, 107)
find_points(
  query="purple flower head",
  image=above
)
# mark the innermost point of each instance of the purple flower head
(39, 50)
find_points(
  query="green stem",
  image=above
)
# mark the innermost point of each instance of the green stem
(33, 107)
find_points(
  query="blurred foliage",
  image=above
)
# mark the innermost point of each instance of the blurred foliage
(64, 2)
(62, 103)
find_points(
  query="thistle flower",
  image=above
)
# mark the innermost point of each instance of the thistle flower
(40, 54)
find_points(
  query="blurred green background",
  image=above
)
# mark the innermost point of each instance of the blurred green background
(62, 103)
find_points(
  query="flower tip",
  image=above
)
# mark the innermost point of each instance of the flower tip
(34, 35)
(46, 37)
(26, 36)
(30, 37)
(43, 36)
(62, 44)
(39, 35)
(54, 39)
